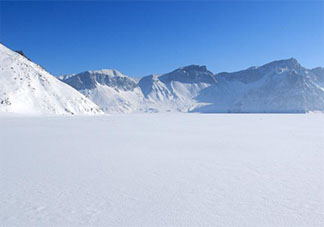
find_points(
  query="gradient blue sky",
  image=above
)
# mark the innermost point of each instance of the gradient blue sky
(140, 38)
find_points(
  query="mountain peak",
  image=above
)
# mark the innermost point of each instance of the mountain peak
(189, 74)
(290, 63)
(107, 77)
(202, 68)
(107, 72)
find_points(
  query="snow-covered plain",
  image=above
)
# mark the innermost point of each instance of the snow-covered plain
(162, 170)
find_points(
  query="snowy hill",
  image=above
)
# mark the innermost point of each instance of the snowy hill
(280, 86)
(27, 88)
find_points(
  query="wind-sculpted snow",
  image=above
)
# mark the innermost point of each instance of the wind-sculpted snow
(27, 88)
(282, 86)
(157, 170)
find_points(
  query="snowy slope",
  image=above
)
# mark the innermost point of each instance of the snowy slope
(27, 88)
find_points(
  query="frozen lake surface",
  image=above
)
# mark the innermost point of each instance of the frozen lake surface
(162, 170)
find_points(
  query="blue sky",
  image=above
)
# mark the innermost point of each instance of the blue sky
(140, 38)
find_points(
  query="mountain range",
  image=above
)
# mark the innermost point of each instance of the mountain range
(282, 86)
(278, 87)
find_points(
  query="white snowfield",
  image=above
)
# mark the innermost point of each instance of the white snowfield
(163, 170)
(27, 88)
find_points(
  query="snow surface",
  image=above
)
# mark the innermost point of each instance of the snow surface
(162, 170)
(27, 88)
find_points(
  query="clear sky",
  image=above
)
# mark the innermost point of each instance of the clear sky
(148, 37)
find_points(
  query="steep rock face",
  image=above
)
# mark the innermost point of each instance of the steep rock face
(27, 88)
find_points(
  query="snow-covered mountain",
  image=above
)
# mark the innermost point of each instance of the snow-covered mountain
(176, 91)
(116, 93)
(109, 89)
(26, 87)
(280, 86)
